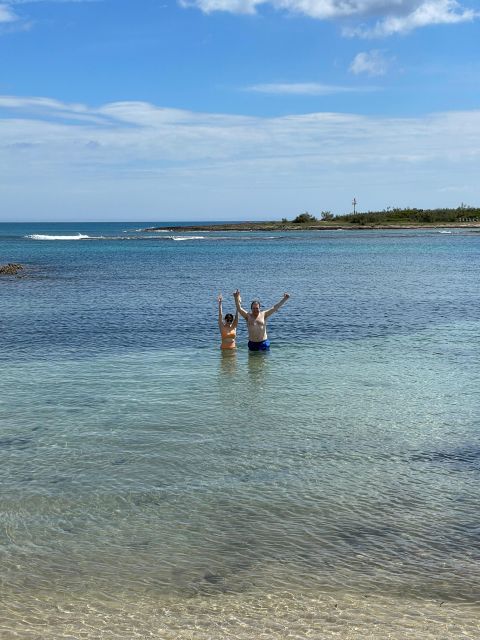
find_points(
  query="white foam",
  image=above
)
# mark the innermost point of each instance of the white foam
(178, 238)
(39, 236)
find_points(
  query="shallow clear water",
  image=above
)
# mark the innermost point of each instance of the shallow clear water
(155, 487)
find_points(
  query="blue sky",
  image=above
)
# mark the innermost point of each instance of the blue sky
(236, 109)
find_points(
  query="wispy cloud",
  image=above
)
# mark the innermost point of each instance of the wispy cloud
(19, 2)
(427, 13)
(362, 18)
(140, 129)
(13, 20)
(7, 14)
(303, 89)
(372, 63)
(370, 17)
(126, 153)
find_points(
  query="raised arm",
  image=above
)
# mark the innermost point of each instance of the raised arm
(238, 304)
(220, 310)
(277, 306)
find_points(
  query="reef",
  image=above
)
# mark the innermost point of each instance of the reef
(10, 269)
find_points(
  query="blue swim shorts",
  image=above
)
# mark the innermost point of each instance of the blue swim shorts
(264, 345)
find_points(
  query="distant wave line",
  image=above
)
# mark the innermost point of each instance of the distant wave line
(178, 238)
(156, 231)
(162, 238)
(39, 236)
(82, 236)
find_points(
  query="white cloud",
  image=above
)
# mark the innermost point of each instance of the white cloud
(6, 14)
(303, 89)
(35, 104)
(152, 133)
(139, 158)
(382, 17)
(373, 63)
(232, 6)
(428, 12)
(364, 18)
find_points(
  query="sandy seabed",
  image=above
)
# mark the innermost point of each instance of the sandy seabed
(237, 617)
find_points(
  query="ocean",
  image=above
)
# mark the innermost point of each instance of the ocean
(155, 487)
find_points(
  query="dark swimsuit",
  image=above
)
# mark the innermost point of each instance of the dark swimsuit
(264, 345)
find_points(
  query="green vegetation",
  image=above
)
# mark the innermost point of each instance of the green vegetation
(409, 216)
(389, 217)
(304, 218)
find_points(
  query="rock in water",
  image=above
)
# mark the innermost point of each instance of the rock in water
(10, 269)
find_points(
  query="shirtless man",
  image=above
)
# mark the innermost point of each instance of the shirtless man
(257, 321)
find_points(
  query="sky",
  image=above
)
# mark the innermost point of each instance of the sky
(236, 109)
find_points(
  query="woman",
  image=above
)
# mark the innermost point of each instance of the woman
(257, 321)
(228, 327)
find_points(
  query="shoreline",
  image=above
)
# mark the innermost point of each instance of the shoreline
(328, 614)
(280, 226)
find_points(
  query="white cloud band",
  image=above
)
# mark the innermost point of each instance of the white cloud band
(136, 150)
(379, 17)
(304, 89)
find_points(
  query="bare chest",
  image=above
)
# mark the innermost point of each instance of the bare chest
(256, 322)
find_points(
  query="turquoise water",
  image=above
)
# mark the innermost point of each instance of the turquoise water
(155, 487)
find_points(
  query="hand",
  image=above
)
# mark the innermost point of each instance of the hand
(220, 297)
(236, 294)
(286, 296)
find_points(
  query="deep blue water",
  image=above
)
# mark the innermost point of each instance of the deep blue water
(95, 296)
(140, 465)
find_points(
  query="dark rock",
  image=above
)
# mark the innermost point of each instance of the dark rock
(213, 578)
(10, 269)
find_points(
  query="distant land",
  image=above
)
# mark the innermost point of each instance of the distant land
(463, 216)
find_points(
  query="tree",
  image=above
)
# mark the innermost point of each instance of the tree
(304, 218)
(327, 215)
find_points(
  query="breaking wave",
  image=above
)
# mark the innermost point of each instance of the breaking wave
(178, 238)
(39, 236)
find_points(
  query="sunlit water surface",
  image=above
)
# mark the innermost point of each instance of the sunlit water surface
(155, 487)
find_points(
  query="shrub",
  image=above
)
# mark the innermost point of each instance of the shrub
(304, 217)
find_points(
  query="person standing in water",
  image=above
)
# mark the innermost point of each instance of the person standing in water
(227, 326)
(257, 321)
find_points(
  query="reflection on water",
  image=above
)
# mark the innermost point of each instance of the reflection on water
(154, 487)
(258, 364)
(228, 361)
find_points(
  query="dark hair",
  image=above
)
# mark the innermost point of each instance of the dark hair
(255, 302)
(229, 317)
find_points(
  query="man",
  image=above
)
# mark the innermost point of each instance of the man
(257, 321)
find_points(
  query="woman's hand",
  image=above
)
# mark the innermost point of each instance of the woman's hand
(220, 298)
(286, 296)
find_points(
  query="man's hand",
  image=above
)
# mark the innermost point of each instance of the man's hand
(286, 296)
(220, 297)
